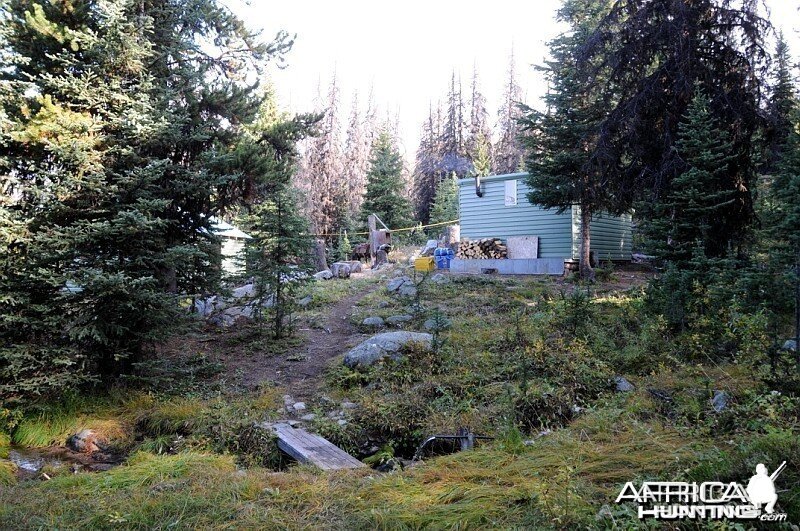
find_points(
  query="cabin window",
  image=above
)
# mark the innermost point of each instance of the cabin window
(511, 193)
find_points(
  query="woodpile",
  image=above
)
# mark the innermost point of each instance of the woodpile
(483, 249)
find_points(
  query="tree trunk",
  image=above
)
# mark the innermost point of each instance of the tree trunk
(586, 271)
(319, 255)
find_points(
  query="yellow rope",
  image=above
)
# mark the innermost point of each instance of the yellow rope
(415, 227)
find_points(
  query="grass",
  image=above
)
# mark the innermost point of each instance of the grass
(558, 481)
(522, 355)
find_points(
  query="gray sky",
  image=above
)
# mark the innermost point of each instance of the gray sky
(406, 51)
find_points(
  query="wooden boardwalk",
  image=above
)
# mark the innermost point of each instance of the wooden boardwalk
(310, 448)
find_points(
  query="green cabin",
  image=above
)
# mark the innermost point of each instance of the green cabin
(499, 208)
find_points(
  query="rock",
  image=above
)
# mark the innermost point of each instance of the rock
(389, 465)
(402, 286)
(430, 324)
(288, 400)
(660, 394)
(293, 423)
(407, 290)
(440, 278)
(299, 406)
(373, 321)
(394, 285)
(305, 301)
(308, 417)
(623, 385)
(323, 275)
(340, 269)
(430, 246)
(341, 422)
(248, 290)
(355, 266)
(85, 441)
(348, 405)
(720, 401)
(398, 319)
(383, 304)
(209, 305)
(790, 344)
(382, 345)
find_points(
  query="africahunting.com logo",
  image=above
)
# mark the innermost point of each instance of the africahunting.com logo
(712, 500)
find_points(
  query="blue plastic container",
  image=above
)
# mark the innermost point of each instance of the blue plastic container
(443, 256)
(440, 257)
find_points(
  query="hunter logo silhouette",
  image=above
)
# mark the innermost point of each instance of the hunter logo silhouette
(761, 487)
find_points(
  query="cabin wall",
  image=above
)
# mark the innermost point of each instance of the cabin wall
(488, 216)
(611, 237)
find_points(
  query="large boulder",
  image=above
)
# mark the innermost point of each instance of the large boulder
(323, 275)
(248, 290)
(209, 305)
(341, 269)
(355, 266)
(382, 345)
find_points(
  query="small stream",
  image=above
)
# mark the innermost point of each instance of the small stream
(32, 462)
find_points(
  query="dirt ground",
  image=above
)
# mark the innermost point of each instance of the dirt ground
(247, 357)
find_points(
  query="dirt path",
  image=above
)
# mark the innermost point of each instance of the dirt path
(248, 358)
(301, 373)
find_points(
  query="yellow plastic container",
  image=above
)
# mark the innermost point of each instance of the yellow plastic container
(425, 263)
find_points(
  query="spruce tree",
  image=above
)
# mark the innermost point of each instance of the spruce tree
(688, 217)
(445, 205)
(784, 221)
(648, 56)
(481, 156)
(781, 103)
(508, 152)
(562, 138)
(79, 289)
(384, 195)
(116, 154)
(279, 258)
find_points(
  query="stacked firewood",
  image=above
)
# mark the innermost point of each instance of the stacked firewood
(485, 248)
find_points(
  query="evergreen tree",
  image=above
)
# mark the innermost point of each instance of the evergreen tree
(384, 195)
(508, 152)
(651, 54)
(323, 170)
(356, 159)
(782, 100)
(344, 247)
(481, 156)
(110, 185)
(445, 205)
(478, 130)
(79, 289)
(784, 223)
(279, 256)
(688, 217)
(561, 139)
(427, 167)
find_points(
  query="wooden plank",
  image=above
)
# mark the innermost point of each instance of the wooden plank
(310, 448)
